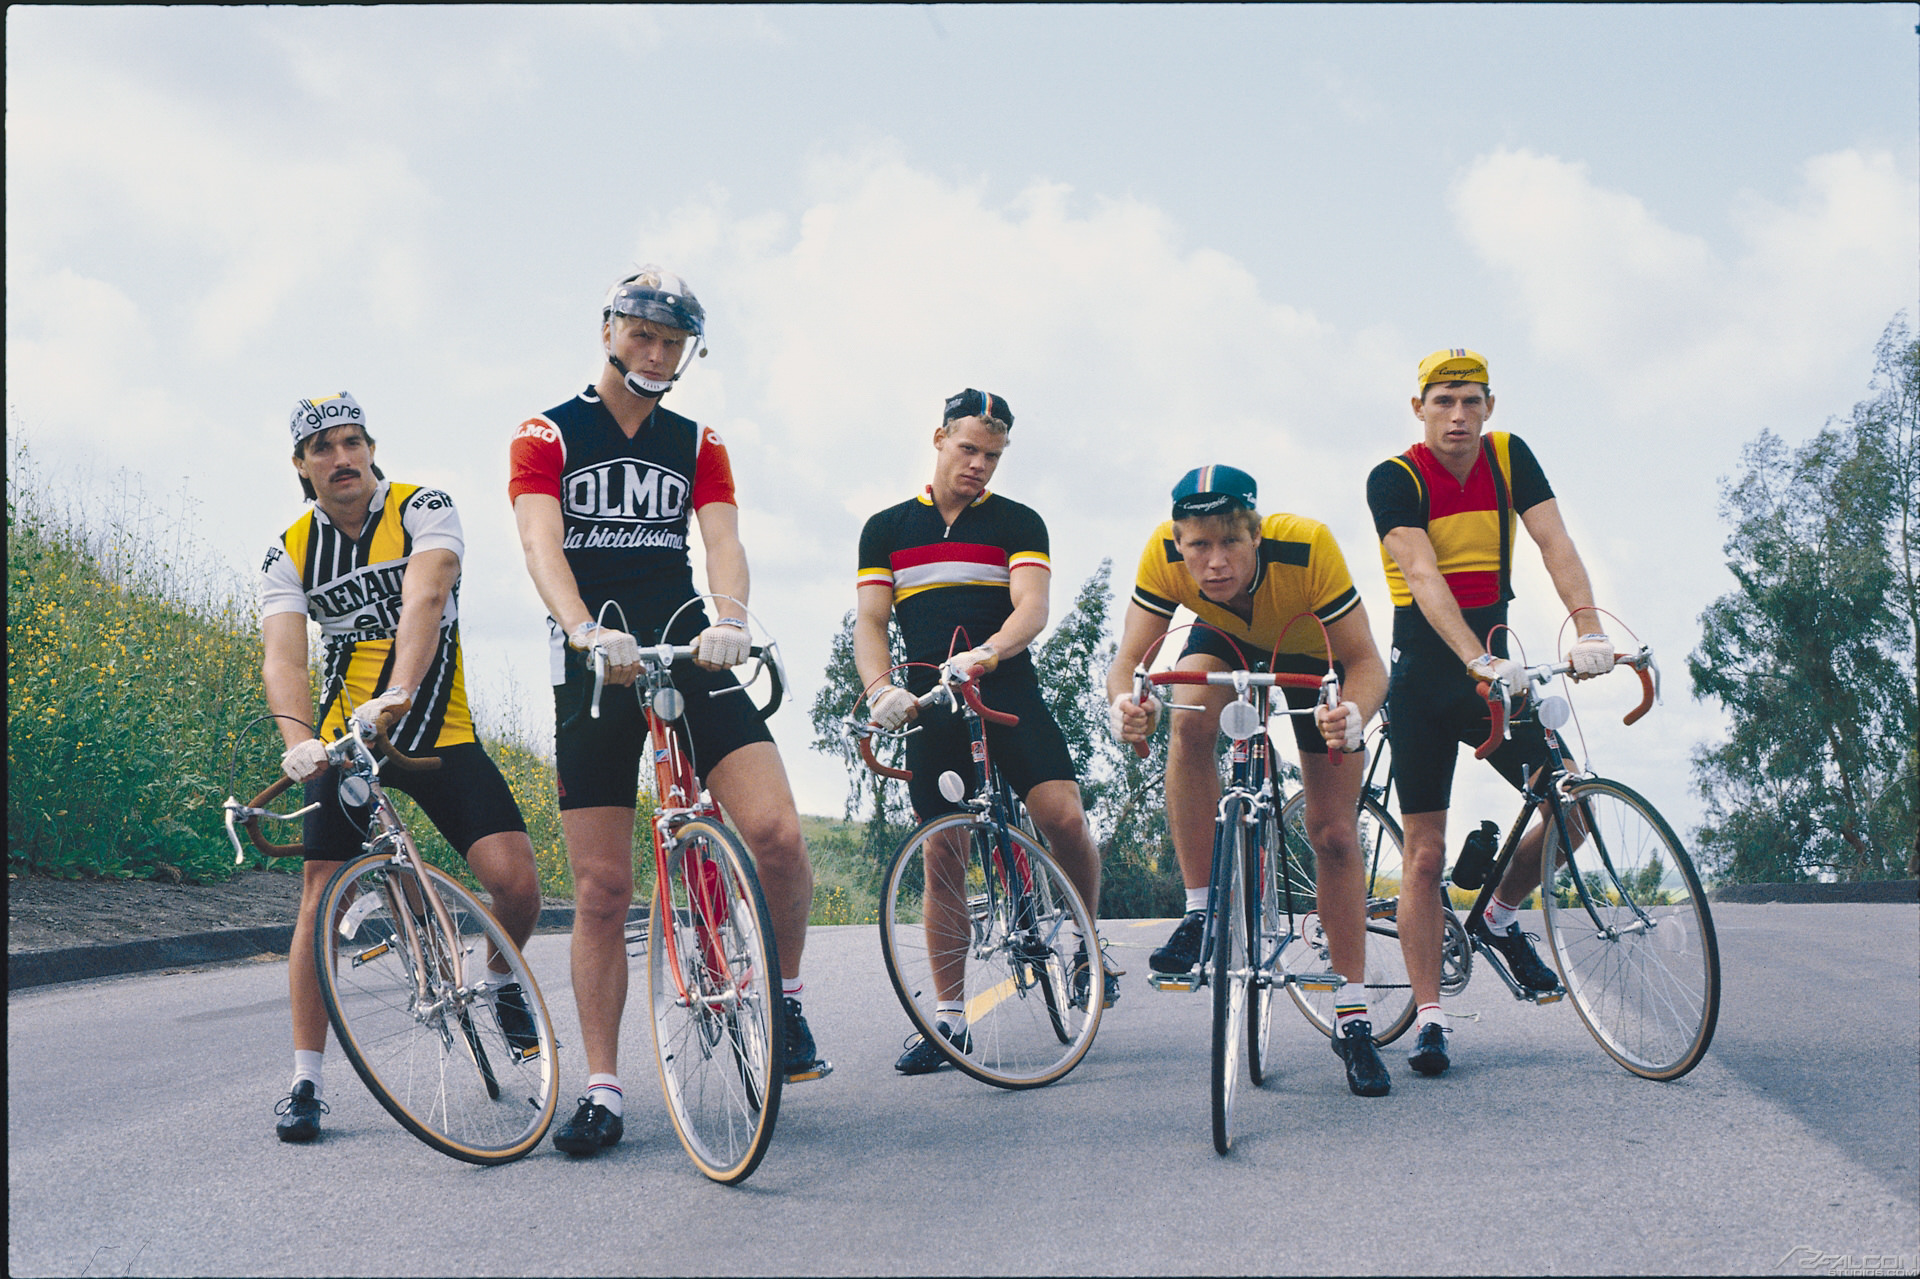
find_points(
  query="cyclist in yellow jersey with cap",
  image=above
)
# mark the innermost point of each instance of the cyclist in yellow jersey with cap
(1446, 512)
(1248, 577)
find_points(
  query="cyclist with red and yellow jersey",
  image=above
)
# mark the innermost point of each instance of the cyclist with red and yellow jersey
(1247, 577)
(1447, 512)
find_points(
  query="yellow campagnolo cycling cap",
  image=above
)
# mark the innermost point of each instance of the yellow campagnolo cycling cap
(1455, 364)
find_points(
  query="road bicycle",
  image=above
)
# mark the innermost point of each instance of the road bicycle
(713, 970)
(429, 998)
(1627, 920)
(974, 907)
(1258, 902)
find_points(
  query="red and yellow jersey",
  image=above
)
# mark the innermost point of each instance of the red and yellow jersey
(1472, 526)
(1301, 570)
(351, 587)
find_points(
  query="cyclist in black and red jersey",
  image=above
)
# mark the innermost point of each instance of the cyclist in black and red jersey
(964, 567)
(1446, 511)
(605, 487)
(1248, 577)
(377, 565)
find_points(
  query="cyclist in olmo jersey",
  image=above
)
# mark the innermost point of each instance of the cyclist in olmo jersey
(1247, 577)
(1446, 511)
(959, 558)
(377, 564)
(604, 488)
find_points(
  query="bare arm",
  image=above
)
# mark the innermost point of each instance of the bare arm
(874, 609)
(542, 529)
(423, 598)
(1029, 588)
(726, 556)
(1413, 552)
(1137, 634)
(1365, 681)
(284, 673)
(1564, 566)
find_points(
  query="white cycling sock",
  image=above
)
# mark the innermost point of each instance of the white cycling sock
(604, 1090)
(950, 1014)
(1350, 1004)
(306, 1065)
(1500, 916)
(1429, 1013)
(1196, 899)
(791, 987)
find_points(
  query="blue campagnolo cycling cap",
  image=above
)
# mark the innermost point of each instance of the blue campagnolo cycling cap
(1213, 490)
(972, 403)
(310, 417)
(656, 294)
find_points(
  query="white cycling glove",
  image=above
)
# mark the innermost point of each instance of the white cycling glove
(1592, 655)
(305, 761)
(1117, 715)
(981, 656)
(1488, 668)
(394, 699)
(723, 644)
(621, 649)
(1356, 730)
(892, 708)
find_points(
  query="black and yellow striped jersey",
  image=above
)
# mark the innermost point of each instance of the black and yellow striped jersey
(1300, 571)
(351, 587)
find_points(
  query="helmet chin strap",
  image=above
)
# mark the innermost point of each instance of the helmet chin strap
(640, 386)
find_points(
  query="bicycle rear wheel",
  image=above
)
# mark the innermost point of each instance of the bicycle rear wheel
(996, 923)
(1630, 931)
(1266, 932)
(718, 1020)
(1390, 1004)
(1229, 975)
(432, 1051)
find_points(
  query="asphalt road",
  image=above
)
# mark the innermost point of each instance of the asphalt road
(140, 1116)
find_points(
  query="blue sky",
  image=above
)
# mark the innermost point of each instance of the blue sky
(1168, 236)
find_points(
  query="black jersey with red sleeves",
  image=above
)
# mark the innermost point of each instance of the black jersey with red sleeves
(945, 576)
(626, 503)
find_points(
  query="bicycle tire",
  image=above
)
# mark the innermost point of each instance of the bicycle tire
(1015, 950)
(1229, 974)
(1637, 950)
(442, 1065)
(1266, 932)
(1390, 1002)
(718, 1020)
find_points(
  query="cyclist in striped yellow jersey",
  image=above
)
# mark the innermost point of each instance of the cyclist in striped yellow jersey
(377, 565)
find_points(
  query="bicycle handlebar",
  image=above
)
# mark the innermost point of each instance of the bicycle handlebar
(339, 750)
(1499, 697)
(1327, 685)
(968, 685)
(662, 656)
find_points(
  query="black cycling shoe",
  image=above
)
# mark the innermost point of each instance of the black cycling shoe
(1182, 950)
(299, 1113)
(1110, 978)
(1516, 948)
(1429, 1055)
(922, 1058)
(516, 1020)
(799, 1060)
(592, 1129)
(1366, 1073)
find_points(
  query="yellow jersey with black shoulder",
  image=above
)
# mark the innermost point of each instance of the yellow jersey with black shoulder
(1301, 570)
(351, 587)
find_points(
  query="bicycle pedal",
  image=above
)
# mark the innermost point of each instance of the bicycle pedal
(1172, 981)
(819, 1070)
(1549, 996)
(1316, 983)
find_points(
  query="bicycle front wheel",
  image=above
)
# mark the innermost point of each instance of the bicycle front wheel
(718, 1020)
(1229, 975)
(419, 1013)
(1266, 935)
(1390, 1004)
(1630, 930)
(982, 915)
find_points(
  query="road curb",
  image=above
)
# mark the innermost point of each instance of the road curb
(83, 963)
(1878, 890)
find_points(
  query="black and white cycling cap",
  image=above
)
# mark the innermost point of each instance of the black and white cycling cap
(656, 294)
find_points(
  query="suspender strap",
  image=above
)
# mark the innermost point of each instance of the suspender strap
(1504, 496)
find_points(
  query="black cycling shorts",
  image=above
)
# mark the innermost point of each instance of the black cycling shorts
(1026, 754)
(1306, 734)
(1433, 705)
(598, 760)
(466, 798)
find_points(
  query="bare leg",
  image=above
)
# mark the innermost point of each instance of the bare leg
(947, 926)
(1057, 814)
(503, 863)
(600, 848)
(303, 982)
(751, 784)
(1419, 918)
(1333, 797)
